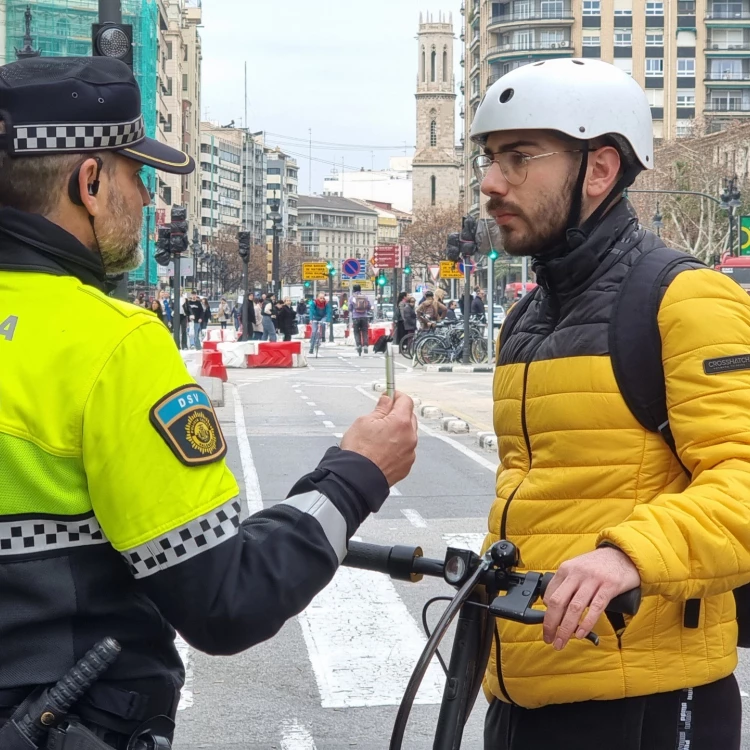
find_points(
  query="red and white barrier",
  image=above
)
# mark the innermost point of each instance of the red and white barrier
(221, 334)
(245, 354)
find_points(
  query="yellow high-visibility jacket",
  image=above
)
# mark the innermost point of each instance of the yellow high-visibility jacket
(578, 470)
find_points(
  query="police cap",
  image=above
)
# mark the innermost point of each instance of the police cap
(74, 105)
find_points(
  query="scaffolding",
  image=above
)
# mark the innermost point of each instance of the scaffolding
(62, 28)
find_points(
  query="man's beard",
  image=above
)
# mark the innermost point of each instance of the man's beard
(545, 224)
(119, 236)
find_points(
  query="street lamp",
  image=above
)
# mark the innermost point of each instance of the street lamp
(657, 220)
(730, 200)
(275, 262)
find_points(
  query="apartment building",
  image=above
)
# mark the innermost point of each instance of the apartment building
(692, 57)
(282, 179)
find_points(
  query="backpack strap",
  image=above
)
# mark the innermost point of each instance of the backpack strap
(636, 355)
(513, 316)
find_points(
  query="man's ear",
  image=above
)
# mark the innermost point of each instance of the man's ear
(604, 169)
(85, 185)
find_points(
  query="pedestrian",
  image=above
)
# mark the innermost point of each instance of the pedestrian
(398, 321)
(268, 318)
(409, 314)
(450, 314)
(431, 311)
(120, 517)
(586, 491)
(320, 312)
(345, 310)
(302, 311)
(156, 308)
(193, 310)
(361, 307)
(224, 313)
(205, 318)
(477, 304)
(285, 319)
(166, 305)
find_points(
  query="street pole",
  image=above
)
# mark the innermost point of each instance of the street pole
(330, 307)
(524, 274)
(275, 283)
(467, 313)
(177, 317)
(395, 290)
(490, 309)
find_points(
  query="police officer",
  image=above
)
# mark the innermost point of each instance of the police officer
(118, 514)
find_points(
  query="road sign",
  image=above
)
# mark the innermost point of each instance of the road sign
(314, 271)
(354, 268)
(367, 284)
(471, 264)
(387, 256)
(450, 270)
(186, 267)
(744, 235)
(435, 272)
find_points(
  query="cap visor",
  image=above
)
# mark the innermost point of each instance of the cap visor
(160, 156)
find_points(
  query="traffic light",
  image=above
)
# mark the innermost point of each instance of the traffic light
(178, 240)
(453, 249)
(162, 254)
(407, 270)
(307, 285)
(382, 281)
(493, 254)
(113, 40)
(244, 245)
(331, 268)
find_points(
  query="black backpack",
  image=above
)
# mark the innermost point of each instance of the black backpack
(635, 353)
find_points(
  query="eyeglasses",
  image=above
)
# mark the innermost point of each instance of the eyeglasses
(513, 164)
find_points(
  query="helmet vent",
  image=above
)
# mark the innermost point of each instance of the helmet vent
(577, 62)
(506, 96)
(536, 65)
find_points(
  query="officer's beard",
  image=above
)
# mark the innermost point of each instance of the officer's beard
(118, 234)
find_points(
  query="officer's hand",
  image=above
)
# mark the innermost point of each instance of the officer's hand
(591, 580)
(387, 436)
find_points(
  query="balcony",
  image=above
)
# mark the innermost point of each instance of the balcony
(728, 14)
(533, 17)
(724, 48)
(732, 107)
(735, 77)
(520, 46)
(493, 77)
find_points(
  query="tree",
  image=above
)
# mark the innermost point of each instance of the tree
(428, 234)
(225, 247)
(291, 258)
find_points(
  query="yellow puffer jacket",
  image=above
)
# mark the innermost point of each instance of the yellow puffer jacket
(577, 469)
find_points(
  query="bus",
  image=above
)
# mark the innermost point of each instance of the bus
(737, 268)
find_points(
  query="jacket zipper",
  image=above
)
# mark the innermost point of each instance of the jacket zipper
(504, 522)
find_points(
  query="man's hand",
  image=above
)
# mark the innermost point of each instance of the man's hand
(387, 436)
(591, 580)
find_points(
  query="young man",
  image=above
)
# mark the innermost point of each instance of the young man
(360, 308)
(582, 488)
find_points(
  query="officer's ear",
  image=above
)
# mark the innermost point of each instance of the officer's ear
(83, 189)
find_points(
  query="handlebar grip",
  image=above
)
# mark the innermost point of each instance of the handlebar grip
(365, 556)
(626, 604)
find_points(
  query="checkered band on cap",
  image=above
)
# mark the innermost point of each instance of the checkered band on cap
(29, 535)
(54, 139)
(185, 542)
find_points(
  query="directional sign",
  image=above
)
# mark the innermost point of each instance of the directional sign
(354, 268)
(744, 235)
(366, 284)
(469, 262)
(314, 271)
(450, 270)
(387, 256)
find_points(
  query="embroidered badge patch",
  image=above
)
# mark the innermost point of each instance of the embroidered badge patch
(186, 421)
(726, 364)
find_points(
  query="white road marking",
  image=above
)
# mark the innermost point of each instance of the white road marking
(296, 737)
(453, 443)
(320, 414)
(395, 491)
(186, 697)
(338, 434)
(743, 694)
(465, 541)
(329, 425)
(252, 483)
(363, 610)
(311, 403)
(414, 518)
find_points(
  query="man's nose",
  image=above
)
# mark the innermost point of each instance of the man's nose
(494, 181)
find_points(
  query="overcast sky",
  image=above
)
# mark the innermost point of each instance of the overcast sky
(347, 69)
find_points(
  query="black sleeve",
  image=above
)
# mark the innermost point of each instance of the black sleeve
(240, 592)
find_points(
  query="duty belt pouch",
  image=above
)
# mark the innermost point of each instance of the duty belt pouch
(74, 736)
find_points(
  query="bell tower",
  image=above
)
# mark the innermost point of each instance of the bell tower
(435, 168)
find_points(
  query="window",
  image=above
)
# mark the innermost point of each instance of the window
(623, 7)
(591, 39)
(551, 37)
(185, 53)
(655, 97)
(686, 38)
(654, 66)
(445, 65)
(685, 67)
(433, 189)
(726, 39)
(592, 8)
(552, 9)
(273, 170)
(168, 123)
(655, 39)
(432, 66)
(726, 10)
(424, 67)
(184, 81)
(726, 70)
(169, 50)
(654, 9)
(685, 97)
(166, 194)
(685, 7)
(684, 128)
(522, 9)
(623, 39)
(625, 64)
(726, 101)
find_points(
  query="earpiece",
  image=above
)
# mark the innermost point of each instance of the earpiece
(74, 192)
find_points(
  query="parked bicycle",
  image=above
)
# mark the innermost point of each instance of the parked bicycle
(444, 344)
(477, 603)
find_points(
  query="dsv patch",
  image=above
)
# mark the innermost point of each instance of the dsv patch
(186, 421)
(726, 364)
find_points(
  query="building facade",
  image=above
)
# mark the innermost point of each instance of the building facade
(435, 167)
(690, 56)
(221, 182)
(254, 188)
(333, 228)
(392, 185)
(282, 179)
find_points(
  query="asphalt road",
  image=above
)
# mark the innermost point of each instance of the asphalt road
(333, 677)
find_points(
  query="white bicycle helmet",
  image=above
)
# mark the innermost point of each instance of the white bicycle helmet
(584, 99)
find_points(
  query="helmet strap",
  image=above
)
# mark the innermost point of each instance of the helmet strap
(626, 180)
(576, 204)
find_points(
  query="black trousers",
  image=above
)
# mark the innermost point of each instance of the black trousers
(360, 327)
(705, 718)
